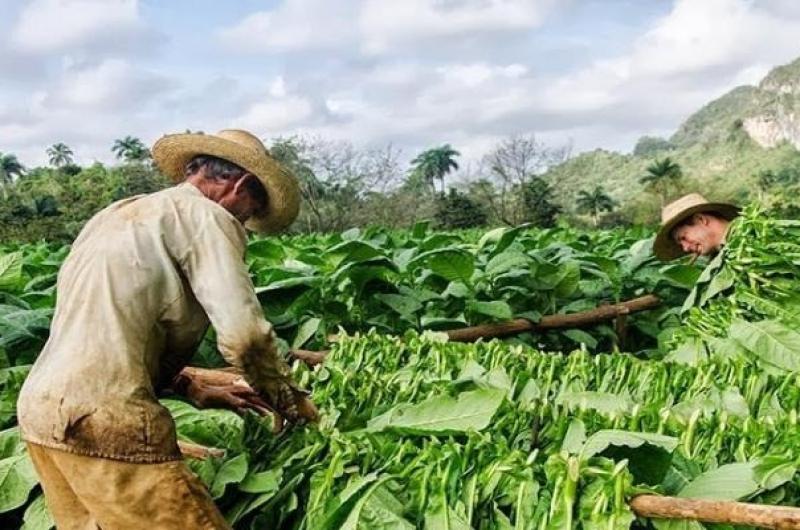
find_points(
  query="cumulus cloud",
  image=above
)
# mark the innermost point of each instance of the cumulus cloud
(293, 25)
(101, 26)
(387, 23)
(414, 73)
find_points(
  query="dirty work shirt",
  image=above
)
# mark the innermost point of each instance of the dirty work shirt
(134, 299)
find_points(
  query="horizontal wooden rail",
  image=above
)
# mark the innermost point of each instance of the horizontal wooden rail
(708, 511)
(572, 320)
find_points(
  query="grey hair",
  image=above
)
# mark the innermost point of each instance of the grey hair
(221, 169)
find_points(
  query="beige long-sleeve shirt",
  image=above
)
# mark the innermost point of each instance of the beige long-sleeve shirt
(134, 299)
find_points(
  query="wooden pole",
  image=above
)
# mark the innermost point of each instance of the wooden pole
(708, 511)
(573, 320)
(200, 452)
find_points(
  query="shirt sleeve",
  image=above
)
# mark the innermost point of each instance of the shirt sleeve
(213, 263)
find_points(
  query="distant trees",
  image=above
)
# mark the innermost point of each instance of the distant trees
(651, 145)
(130, 149)
(433, 164)
(512, 186)
(10, 168)
(663, 176)
(60, 155)
(595, 202)
(458, 210)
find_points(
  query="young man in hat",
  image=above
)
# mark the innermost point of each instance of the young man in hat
(134, 299)
(693, 225)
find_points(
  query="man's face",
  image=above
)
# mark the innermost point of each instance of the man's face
(700, 235)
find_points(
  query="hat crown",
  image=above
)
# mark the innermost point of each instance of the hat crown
(679, 206)
(244, 138)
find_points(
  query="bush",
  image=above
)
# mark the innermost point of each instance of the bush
(457, 210)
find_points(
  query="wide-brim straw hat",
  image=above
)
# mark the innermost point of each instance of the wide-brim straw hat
(665, 248)
(172, 152)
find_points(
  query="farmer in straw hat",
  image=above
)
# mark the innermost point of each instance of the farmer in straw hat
(135, 297)
(693, 225)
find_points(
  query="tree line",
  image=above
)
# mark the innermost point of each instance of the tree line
(344, 187)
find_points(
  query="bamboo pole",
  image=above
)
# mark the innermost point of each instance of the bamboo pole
(708, 511)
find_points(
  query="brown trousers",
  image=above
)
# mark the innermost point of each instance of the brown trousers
(86, 493)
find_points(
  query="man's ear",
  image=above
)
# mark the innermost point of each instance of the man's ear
(701, 218)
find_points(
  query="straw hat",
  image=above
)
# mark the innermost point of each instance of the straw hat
(673, 214)
(173, 151)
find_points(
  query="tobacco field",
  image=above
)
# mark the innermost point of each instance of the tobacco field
(697, 398)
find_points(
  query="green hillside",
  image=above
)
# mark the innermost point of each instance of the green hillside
(721, 148)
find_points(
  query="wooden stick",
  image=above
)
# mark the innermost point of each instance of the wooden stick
(200, 452)
(572, 320)
(707, 511)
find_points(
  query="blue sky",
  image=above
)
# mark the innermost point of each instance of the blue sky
(413, 73)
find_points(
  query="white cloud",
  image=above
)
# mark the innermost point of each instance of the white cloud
(276, 112)
(47, 26)
(111, 84)
(387, 23)
(293, 25)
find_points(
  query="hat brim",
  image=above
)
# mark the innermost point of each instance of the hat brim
(666, 249)
(172, 152)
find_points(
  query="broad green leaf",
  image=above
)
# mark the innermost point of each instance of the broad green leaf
(401, 304)
(721, 282)
(691, 352)
(17, 480)
(684, 276)
(769, 340)
(377, 509)
(497, 309)
(210, 427)
(263, 482)
(581, 337)
(730, 482)
(506, 261)
(266, 249)
(440, 516)
(603, 402)
(37, 516)
(575, 437)
(443, 414)
(11, 270)
(601, 440)
(450, 263)
(456, 290)
(306, 330)
(773, 471)
(231, 471)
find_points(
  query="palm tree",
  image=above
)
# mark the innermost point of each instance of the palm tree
(434, 164)
(661, 176)
(130, 149)
(594, 202)
(60, 155)
(10, 168)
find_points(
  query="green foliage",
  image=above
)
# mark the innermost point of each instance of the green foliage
(649, 146)
(457, 210)
(130, 149)
(662, 178)
(539, 204)
(595, 202)
(60, 155)
(431, 165)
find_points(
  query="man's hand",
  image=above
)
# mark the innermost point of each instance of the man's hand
(291, 403)
(217, 389)
(227, 389)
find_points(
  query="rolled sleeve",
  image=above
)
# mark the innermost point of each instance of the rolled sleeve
(214, 266)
